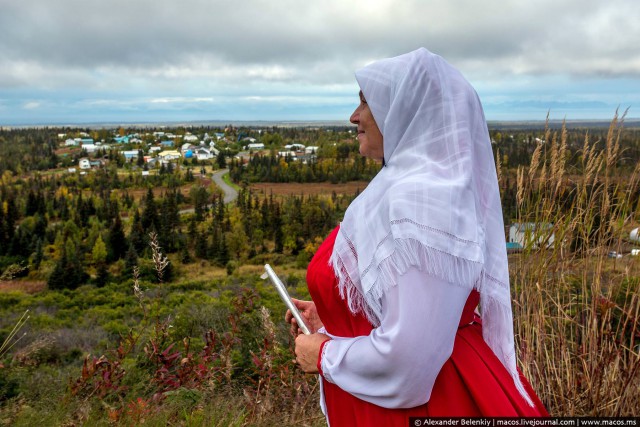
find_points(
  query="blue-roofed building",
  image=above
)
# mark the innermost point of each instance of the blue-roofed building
(167, 143)
(121, 139)
(86, 141)
(130, 154)
(530, 234)
(513, 247)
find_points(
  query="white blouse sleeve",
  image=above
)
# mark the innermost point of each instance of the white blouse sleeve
(397, 364)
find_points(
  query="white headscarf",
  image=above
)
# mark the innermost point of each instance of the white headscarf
(436, 203)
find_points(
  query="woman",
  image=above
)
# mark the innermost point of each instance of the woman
(394, 287)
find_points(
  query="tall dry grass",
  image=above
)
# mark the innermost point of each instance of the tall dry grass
(577, 311)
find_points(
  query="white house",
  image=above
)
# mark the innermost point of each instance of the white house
(255, 146)
(287, 153)
(213, 149)
(530, 234)
(190, 138)
(294, 147)
(70, 142)
(84, 163)
(311, 150)
(204, 154)
(186, 147)
(90, 148)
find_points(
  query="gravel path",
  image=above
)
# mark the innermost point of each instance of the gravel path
(230, 194)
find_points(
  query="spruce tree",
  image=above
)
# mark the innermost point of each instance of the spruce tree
(149, 219)
(220, 160)
(116, 240)
(130, 261)
(137, 236)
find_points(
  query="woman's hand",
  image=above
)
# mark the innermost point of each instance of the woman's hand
(308, 311)
(307, 351)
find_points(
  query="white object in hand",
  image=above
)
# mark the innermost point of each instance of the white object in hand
(284, 295)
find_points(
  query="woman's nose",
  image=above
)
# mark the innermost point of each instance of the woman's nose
(355, 117)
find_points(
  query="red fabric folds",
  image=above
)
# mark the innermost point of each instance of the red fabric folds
(473, 382)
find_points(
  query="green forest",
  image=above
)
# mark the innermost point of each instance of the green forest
(130, 291)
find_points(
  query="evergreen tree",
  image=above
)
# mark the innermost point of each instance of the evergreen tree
(116, 240)
(99, 251)
(150, 220)
(38, 255)
(185, 256)
(67, 273)
(220, 160)
(137, 236)
(102, 275)
(3, 233)
(201, 246)
(223, 251)
(130, 261)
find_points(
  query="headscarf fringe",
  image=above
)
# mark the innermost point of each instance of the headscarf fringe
(497, 323)
(407, 253)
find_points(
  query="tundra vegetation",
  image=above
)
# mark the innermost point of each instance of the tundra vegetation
(145, 303)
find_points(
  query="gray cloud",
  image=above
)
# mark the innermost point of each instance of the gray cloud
(574, 36)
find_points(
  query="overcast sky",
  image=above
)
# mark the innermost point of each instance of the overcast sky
(78, 61)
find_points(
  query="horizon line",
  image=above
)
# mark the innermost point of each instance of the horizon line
(290, 123)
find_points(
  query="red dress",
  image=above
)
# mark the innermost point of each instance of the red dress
(473, 382)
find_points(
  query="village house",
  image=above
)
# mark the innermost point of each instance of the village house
(90, 148)
(287, 153)
(190, 138)
(121, 139)
(311, 150)
(84, 163)
(204, 154)
(255, 146)
(531, 234)
(167, 156)
(294, 147)
(187, 147)
(130, 154)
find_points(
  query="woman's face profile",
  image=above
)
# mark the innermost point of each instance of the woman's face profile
(369, 135)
